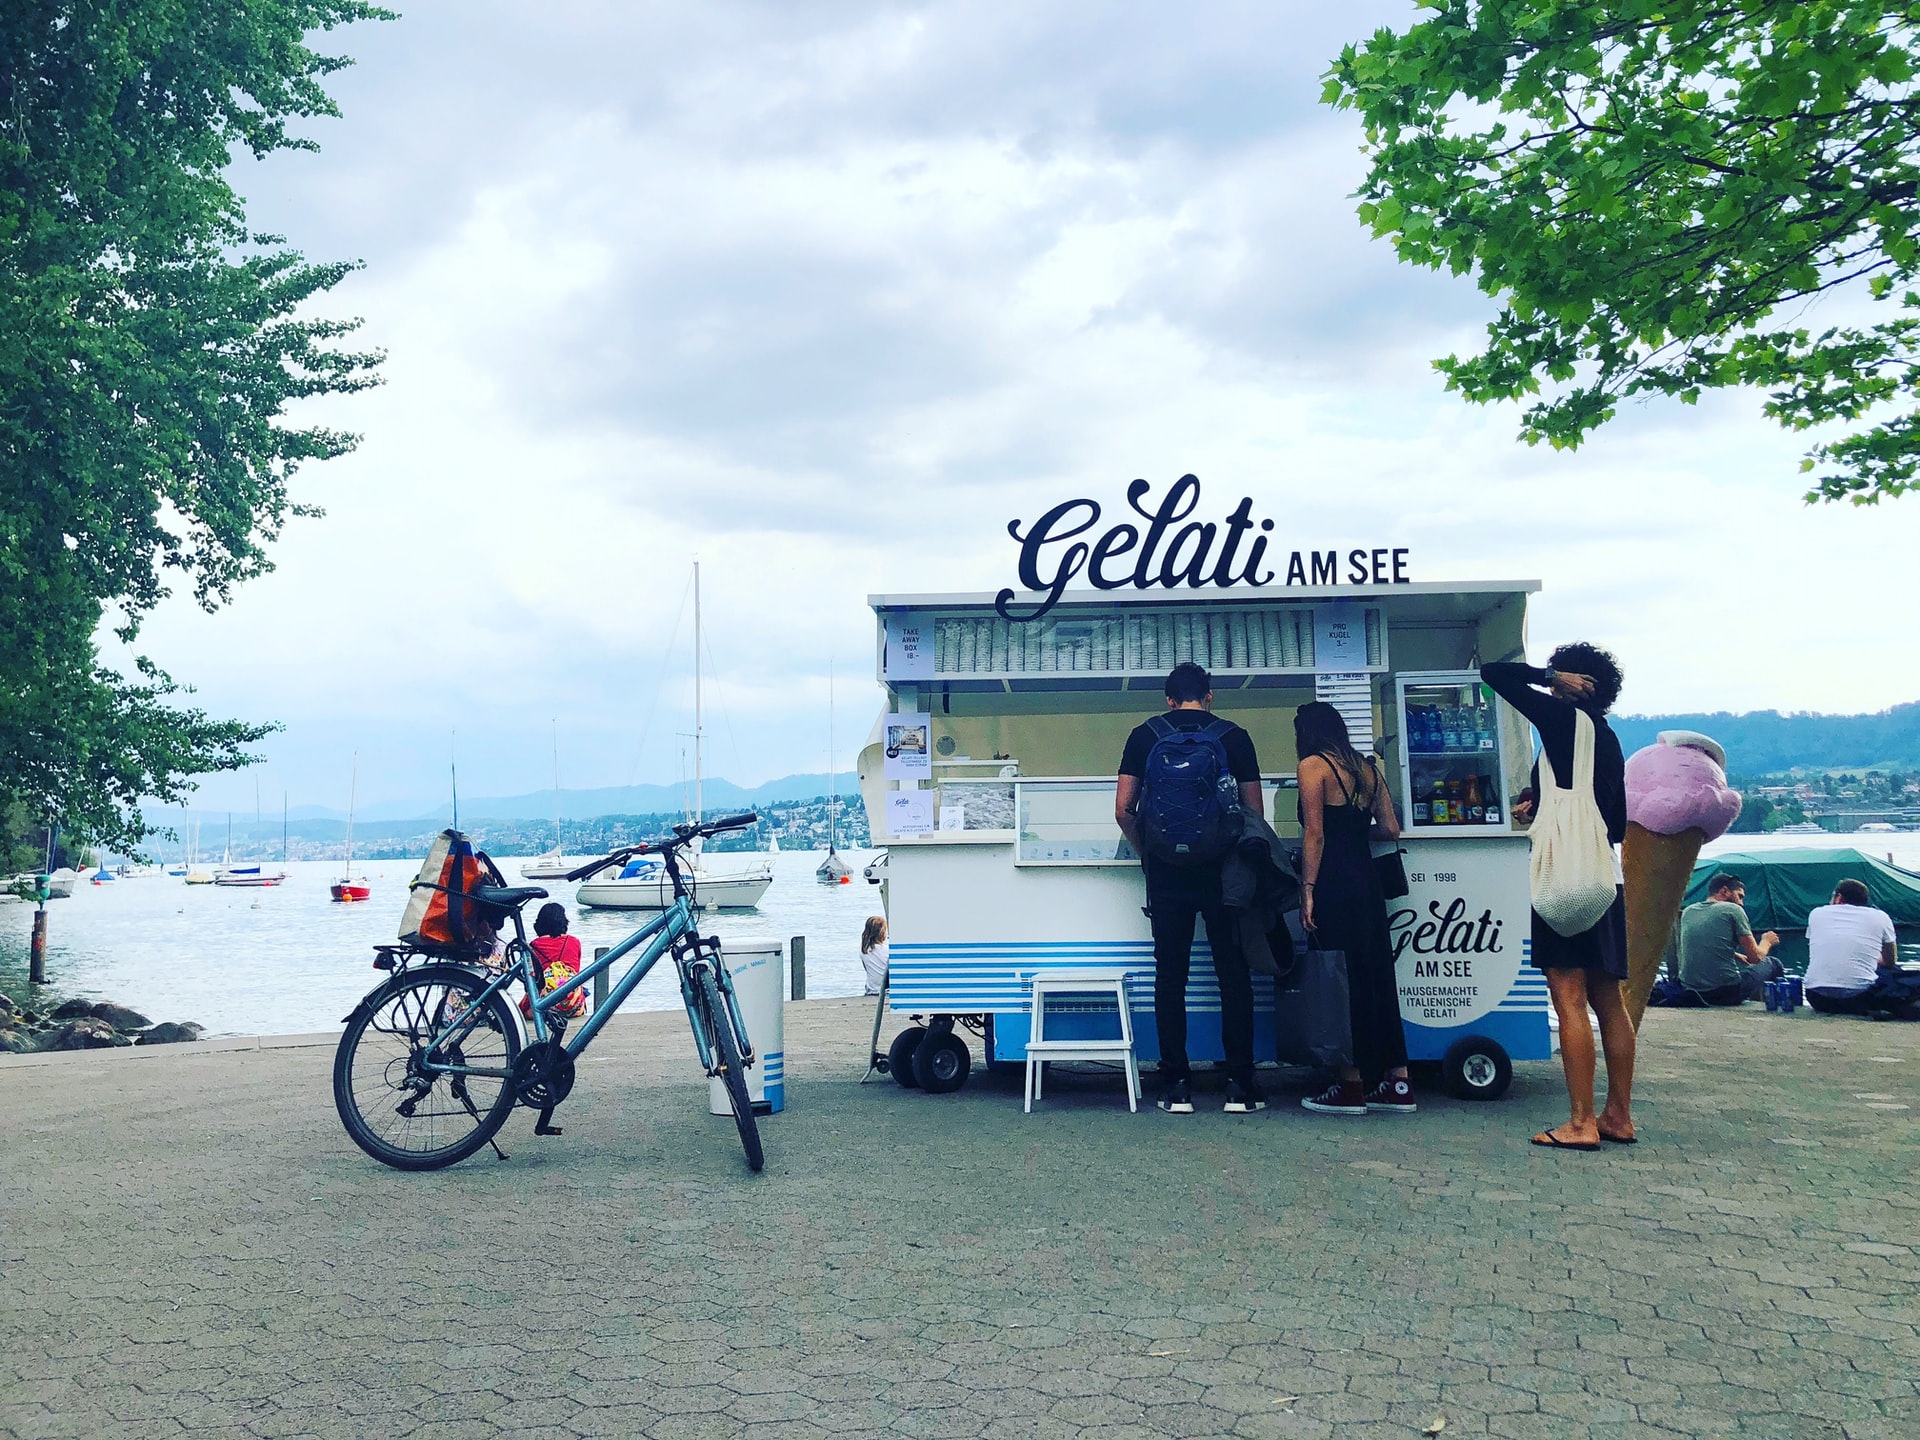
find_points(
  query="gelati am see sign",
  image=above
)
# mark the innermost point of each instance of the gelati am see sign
(1170, 550)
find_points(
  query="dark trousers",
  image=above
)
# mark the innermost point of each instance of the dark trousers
(1174, 897)
(1752, 984)
(1893, 992)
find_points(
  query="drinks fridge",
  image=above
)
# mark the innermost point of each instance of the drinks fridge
(1450, 753)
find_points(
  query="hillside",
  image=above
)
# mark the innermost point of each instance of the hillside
(1767, 742)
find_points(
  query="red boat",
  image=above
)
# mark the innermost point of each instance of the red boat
(350, 887)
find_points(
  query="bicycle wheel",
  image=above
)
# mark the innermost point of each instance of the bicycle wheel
(719, 1022)
(403, 1114)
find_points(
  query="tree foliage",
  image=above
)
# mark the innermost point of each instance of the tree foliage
(1658, 191)
(150, 348)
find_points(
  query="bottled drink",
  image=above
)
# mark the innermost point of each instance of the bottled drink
(1493, 800)
(1439, 805)
(1456, 802)
(1476, 807)
(1452, 728)
(1422, 808)
(1484, 726)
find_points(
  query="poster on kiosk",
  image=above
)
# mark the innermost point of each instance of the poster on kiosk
(1005, 718)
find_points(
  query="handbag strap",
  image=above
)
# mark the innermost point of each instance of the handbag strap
(1582, 752)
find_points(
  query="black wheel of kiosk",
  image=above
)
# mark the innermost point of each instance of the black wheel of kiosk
(942, 1063)
(1476, 1068)
(900, 1055)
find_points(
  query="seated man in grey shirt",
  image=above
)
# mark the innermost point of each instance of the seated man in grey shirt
(1719, 959)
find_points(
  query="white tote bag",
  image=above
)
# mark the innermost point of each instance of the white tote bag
(1572, 863)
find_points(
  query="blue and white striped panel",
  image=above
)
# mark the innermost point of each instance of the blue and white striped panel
(994, 976)
(773, 1067)
(1530, 987)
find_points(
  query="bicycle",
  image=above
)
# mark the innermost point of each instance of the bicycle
(433, 1061)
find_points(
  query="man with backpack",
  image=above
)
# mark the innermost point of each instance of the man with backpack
(1186, 779)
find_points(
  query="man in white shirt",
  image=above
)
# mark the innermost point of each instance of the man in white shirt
(1850, 949)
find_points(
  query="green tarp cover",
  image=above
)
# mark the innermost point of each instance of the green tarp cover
(1783, 885)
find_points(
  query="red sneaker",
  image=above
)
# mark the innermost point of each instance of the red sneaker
(1392, 1097)
(1343, 1097)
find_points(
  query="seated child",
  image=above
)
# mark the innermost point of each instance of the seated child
(874, 952)
(558, 955)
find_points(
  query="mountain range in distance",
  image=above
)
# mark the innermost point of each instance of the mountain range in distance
(718, 797)
(1768, 742)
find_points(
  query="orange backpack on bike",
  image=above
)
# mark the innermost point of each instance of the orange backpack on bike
(442, 913)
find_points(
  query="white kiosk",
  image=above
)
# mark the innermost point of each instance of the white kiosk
(990, 781)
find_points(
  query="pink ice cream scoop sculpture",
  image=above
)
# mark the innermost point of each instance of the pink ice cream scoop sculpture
(1679, 783)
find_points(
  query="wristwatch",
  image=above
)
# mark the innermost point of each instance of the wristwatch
(1552, 675)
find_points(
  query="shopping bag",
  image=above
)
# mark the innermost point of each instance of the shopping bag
(1572, 862)
(1313, 1017)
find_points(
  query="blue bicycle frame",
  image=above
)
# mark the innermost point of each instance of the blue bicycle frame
(660, 936)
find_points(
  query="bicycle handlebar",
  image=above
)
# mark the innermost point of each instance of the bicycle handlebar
(681, 835)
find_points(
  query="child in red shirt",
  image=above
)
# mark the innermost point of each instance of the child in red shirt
(557, 956)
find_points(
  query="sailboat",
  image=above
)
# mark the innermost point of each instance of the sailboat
(350, 887)
(833, 870)
(643, 884)
(253, 877)
(551, 864)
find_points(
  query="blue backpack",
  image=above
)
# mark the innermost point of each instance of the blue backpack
(1189, 802)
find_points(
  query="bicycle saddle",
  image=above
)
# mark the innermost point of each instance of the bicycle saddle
(507, 897)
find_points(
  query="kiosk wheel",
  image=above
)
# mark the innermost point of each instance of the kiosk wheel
(942, 1063)
(900, 1055)
(1476, 1068)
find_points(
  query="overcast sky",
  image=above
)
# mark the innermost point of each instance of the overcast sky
(825, 295)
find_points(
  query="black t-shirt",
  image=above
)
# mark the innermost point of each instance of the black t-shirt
(1241, 760)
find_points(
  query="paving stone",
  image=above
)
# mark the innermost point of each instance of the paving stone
(916, 1265)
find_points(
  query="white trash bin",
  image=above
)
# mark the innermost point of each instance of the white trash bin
(757, 965)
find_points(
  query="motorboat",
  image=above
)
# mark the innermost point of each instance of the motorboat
(643, 884)
(551, 865)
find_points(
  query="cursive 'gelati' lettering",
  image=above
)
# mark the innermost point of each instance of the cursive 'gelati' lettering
(1168, 549)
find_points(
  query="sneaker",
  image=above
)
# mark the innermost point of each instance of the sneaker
(1392, 1097)
(1177, 1097)
(1343, 1097)
(1244, 1099)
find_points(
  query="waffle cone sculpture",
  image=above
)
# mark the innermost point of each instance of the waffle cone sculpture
(1677, 800)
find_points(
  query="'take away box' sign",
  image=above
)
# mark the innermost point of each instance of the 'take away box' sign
(1157, 555)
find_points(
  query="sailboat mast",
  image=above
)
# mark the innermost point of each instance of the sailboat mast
(283, 828)
(697, 734)
(353, 796)
(558, 845)
(833, 775)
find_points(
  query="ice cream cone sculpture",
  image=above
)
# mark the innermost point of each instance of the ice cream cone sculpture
(1677, 800)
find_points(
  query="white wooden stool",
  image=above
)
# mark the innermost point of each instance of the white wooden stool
(1040, 1049)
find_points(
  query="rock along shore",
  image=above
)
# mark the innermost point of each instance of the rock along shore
(85, 1025)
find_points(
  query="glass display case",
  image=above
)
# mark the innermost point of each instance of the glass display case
(1450, 772)
(1068, 822)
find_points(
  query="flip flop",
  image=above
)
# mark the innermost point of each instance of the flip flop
(1547, 1140)
(1619, 1139)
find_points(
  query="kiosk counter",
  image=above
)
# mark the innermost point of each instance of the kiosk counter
(990, 781)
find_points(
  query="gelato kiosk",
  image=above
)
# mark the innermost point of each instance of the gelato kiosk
(990, 781)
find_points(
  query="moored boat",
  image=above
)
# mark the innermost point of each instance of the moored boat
(644, 885)
(349, 887)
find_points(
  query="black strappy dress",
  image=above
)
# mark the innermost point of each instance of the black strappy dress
(1351, 913)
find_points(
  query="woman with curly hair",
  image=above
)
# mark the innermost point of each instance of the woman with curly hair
(1586, 968)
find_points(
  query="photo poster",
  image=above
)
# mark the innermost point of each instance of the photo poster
(1339, 638)
(910, 812)
(909, 653)
(953, 817)
(907, 742)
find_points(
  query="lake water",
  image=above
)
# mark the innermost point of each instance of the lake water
(288, 960)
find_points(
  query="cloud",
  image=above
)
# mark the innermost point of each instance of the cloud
(825, 295)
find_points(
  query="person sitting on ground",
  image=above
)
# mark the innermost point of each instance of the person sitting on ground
(1850, 949)
(557, 955)
(1720, 961)
(874, 952)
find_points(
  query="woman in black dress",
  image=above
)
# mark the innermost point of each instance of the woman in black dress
(1587, 968)
(1343, 806)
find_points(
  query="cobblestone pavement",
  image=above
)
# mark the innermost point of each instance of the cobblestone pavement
(190, 1244)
